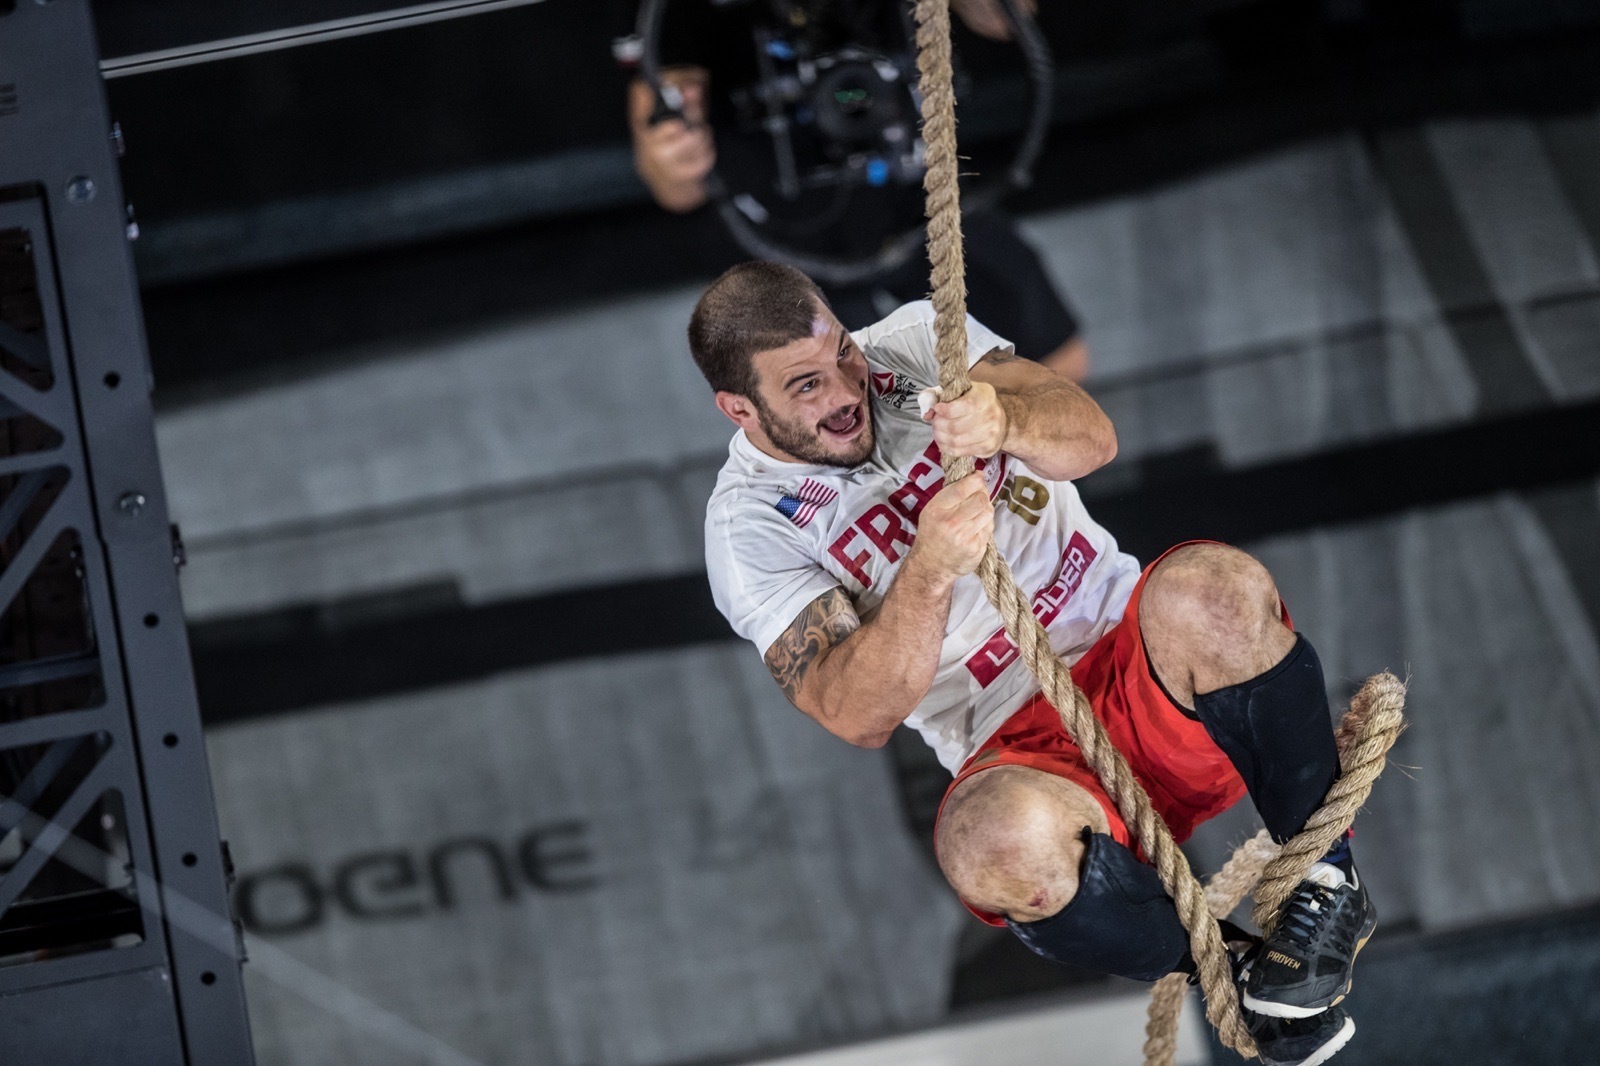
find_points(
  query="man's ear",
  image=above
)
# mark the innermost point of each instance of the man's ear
(739, 409)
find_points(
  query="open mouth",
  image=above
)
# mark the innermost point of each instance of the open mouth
(845, 425)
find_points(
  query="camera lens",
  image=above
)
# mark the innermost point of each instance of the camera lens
(854, 104)
(852, 100)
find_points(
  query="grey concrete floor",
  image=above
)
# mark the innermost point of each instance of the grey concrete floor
(757, 887)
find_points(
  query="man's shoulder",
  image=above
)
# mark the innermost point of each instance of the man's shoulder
(756, 494)
(767, 521)
(739, 483)
(916, 315)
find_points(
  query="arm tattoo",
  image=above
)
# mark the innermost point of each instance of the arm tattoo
(825, 622)
(997, 356)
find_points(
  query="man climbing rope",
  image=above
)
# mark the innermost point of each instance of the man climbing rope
(835, 545)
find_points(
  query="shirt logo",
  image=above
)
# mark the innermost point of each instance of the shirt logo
(807, 500)
(891, 390)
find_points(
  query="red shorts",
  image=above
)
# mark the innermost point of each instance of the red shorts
(1188, 777)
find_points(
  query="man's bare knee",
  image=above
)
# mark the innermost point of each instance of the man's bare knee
(1211, 618)
(1211, 586)
(1009, 840)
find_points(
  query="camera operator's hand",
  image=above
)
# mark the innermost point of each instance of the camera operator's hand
(987, 18)
(674, 155)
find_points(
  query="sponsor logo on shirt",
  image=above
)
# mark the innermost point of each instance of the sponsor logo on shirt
(801, 507)
(891, 390)
(999, 651)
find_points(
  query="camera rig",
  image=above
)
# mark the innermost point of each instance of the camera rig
(841, 115)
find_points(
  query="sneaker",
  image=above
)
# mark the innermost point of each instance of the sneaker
(1300, 1041)
(1305, 966)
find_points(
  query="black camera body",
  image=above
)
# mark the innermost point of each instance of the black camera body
(837, 112)
(832, 90)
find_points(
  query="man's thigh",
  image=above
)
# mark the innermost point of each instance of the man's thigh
(1188, 777)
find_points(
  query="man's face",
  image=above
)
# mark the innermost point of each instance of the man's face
(811, 403)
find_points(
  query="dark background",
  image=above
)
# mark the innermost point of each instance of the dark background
(302, 209)
(510, 124)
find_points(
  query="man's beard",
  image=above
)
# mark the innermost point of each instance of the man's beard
(805, 444)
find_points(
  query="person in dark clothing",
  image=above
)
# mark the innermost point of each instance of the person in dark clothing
(706, 52)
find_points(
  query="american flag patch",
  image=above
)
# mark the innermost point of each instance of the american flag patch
(802, 506)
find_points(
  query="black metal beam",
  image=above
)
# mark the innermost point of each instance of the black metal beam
(102, 768)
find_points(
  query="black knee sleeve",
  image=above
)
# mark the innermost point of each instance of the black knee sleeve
(1120, 922)
(1277, 732)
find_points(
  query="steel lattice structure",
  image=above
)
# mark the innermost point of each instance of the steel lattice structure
(116, 938)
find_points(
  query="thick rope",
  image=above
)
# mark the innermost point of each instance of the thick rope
(1366, 732)
(949, 302)
(1224, 891)
(948, 278)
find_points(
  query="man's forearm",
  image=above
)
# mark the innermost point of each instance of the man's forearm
(868, 684)
(1057, 430)
(861, 679)
(1049, 422)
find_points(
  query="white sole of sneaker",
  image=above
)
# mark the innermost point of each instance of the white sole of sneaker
(1332, 1047)
(1279, 1010)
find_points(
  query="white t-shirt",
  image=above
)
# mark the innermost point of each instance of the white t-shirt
(780, 534)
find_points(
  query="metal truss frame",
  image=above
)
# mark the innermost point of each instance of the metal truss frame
(170, 991)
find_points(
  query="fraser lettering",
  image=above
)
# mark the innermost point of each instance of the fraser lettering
(1000, 651)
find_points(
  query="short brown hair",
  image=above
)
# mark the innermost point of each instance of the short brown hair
(754, 307)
